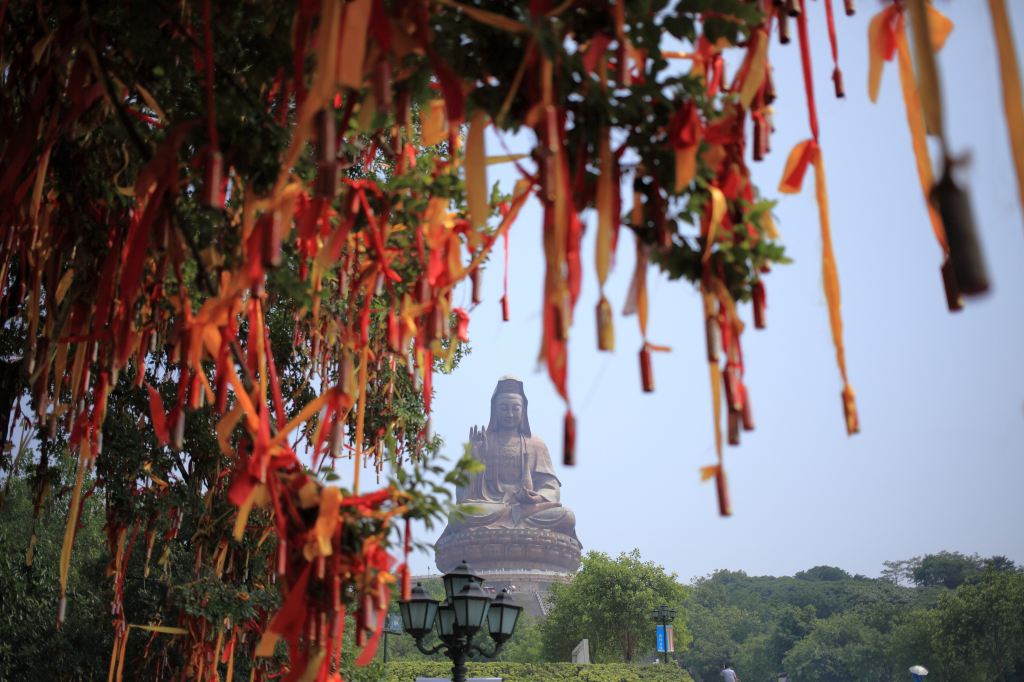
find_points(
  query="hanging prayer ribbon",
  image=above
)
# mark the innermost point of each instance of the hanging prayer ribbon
(476, 172)
(606, 217)
(1013, 100)
(930, 31)
(811, 153)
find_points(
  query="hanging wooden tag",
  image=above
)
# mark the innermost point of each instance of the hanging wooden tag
(434, 323)
(273, 231)
(728, 386)
(646, 370)
(382, 84)
(734, 427)
(784, 35)
(760, 136)
(760, 304)
(213, 173)
(563, 316)
(837, 79)
(505, 311)
(569, 440)
(475, 279)
(605, 326)
(327, 176)
(347, 375)
(734, 388)
(361, 627)
(850, 9)
(326, 140)
(178, 437)
(722, 486)
(711, 336)
(954, 206)
(954, 300)
(336, 443)
(747, 414)
(850, 411)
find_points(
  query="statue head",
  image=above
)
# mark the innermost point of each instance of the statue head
(509, 407)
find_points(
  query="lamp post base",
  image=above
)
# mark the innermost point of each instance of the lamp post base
(458, 657)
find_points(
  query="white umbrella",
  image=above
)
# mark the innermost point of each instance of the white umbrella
(918, 670)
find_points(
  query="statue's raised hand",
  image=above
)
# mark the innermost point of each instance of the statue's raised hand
(478, 437)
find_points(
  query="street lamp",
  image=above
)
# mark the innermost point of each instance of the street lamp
(664, 616)
(458, 578)
(418, 613)
(445, 622)
(459, 617)
(502, 617)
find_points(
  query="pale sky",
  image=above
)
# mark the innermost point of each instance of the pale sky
(939, 462)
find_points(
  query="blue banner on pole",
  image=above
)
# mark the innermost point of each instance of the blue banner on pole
(665, 638)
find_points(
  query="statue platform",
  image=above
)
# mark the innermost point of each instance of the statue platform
(509, 549)
(530, 589)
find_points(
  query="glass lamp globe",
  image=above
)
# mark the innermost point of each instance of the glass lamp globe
(502, 617)
(471, 605)
(457, 578)
(418, 613)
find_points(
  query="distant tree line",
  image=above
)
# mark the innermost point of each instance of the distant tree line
(959, 615)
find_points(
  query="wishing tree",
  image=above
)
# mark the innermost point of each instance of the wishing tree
(231, 234)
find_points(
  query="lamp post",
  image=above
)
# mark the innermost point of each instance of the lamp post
(664, 616)
(391, 627)
(466, 609)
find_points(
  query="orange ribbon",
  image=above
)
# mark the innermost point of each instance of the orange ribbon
(887, 37)
(1012, 101)
(804, 154)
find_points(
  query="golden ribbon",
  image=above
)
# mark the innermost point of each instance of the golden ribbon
(888, 26)
(1012, 101)
(804, 154)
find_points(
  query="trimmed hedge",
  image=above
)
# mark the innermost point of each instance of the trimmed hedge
(407, 671)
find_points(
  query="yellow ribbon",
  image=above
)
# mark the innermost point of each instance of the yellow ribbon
(476, 172)
(718, 206)
(69, 535)
(757, 58)
(791, 183)
(434, 128)
(353, 42)
(326, 523)
(939, 28)
(121, 643)
(1012, 102)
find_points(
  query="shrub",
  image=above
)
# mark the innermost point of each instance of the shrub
(407, 671)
